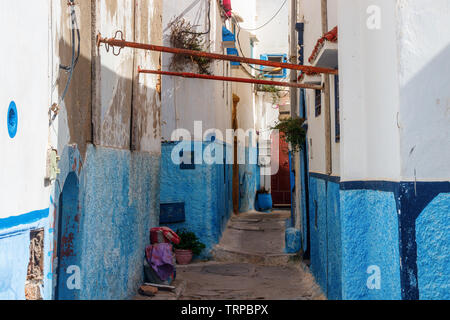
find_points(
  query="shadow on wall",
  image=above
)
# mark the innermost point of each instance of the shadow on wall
(110, 194)
(204, 193)
(425, 122)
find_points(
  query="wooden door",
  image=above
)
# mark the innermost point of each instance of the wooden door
(281, 182)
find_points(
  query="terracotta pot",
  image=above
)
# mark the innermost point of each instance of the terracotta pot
(184, 257)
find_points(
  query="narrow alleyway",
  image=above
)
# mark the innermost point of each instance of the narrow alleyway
(249, 263)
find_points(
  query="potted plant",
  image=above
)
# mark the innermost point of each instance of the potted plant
(189, 246)
(264, 200)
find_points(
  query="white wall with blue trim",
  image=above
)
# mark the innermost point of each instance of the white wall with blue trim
(96, 216)
(378, 224)
(24, 101)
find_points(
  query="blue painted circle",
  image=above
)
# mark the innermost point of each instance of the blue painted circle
(12, 119)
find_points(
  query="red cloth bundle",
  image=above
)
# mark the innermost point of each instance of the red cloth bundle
(227, 7)
(163, 235)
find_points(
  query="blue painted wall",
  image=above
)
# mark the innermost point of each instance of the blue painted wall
(108, 204)
(325, 229)
(433, 249)
(369, 238)
(334, 242)
(401, 228)
(250, 180)
(318, 228)
(205, 190)
(15, 253)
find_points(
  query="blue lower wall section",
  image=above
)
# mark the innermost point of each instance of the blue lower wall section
(334, 242)
(109, 202)
(400, 229)
(206, 191)
(14, 259)
(15, 253)
(250, 181)
(433, 249)
(326, 257)
(370, 238)
(318, 228)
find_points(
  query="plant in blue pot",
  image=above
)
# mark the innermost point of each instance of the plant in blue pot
(264, 200)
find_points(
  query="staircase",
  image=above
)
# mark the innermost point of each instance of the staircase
(255, 238)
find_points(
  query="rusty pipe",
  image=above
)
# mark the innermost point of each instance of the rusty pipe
(121, 43)
(230, 79)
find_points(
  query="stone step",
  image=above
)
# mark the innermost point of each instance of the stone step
(224, 254)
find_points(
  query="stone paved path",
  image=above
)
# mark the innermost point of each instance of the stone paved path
(249, 263)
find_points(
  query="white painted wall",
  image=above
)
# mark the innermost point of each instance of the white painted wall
(394, 91)
(185, 101)
(423, 40)
(274, 38)
(32, 78)
(247, 10)
(310, 14)
(369, 92)
(25, 80)
(246, 113)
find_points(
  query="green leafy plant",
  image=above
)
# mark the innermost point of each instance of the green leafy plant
(273, 90)
(189, 241)
(183, 36)
(293, 132)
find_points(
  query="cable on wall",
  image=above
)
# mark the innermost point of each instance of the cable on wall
(209, 23)
(75, 38)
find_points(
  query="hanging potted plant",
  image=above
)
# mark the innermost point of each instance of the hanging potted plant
(264, 200)
(188, 247)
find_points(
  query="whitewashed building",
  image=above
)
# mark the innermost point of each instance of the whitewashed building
(377, 210)
(80, 149)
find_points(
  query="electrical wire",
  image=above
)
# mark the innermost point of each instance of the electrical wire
(75, 38)
(209, 23)
(242, 52)
(239, 44)
(75, 56)
(271, 19)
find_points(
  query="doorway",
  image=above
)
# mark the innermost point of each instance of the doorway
(281, 181)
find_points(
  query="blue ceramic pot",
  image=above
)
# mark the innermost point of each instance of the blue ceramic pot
(265, 202)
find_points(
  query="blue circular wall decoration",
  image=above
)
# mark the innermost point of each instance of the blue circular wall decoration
(12, 119)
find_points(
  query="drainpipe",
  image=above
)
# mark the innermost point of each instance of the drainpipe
(326, 81)
(296, 201)
(236, 101)
(293, 53)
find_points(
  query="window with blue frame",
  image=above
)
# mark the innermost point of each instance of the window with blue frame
(268, 71)
(337, 109)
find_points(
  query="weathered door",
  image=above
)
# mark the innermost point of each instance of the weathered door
(281, 182)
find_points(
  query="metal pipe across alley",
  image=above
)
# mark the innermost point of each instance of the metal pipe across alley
(122, 43)
(231, 79)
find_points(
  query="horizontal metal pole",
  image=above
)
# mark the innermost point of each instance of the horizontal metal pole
(121, 43)
(230, 79)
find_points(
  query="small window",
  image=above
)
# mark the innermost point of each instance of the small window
(271, 72)
(318, 102)
(337, 109)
